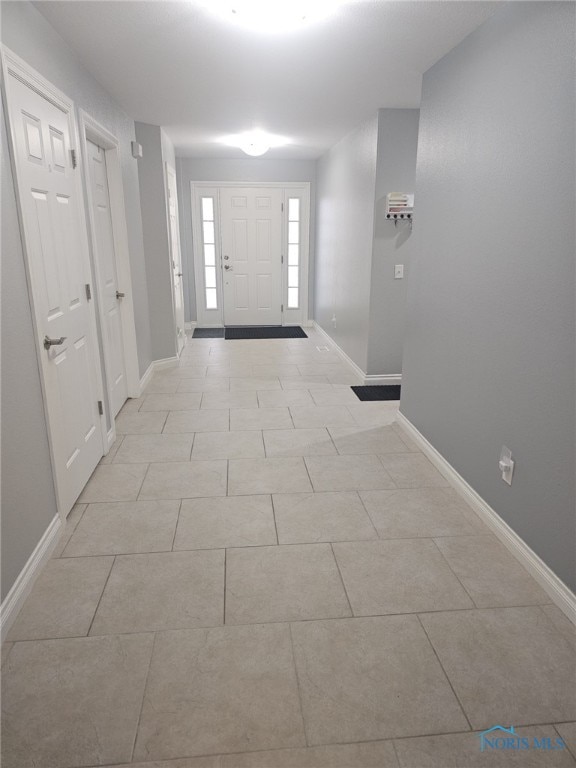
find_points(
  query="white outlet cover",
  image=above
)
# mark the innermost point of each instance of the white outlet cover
(398, 271)
(506, 464)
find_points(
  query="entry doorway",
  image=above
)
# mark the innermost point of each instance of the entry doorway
(251, 250)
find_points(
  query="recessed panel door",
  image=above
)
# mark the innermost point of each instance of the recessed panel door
(251, 227)
(176, 256)
(108, 280)
(58, 268)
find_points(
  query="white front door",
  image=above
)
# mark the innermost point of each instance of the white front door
(107, 277)
(176, 256)
(251, 226)
(56, 246)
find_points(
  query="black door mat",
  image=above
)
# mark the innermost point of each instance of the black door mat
(265, 332)
(208, 333)
(378, 392)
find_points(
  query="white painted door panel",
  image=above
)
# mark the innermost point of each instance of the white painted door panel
(176, 256)
(58, 268)
(107, 277)
(251, 226)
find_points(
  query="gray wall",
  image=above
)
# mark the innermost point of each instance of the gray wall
(26, 32)
(395, 172)
(346, 182)
(27, 507)
(156, 237)
(490, 345)
(253, 169)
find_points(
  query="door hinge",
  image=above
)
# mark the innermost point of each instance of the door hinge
(282, 307)
(282, 204)
(281, 259)
(100, 408)
(73, 157)
(88, 291)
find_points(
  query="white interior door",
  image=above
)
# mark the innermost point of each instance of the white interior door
(54, 225)
(176, 256)
(251, 227)
(109, 291)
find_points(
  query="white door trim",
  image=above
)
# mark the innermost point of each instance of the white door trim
(13, 65)
(169, 168)
(214, 318)
(91, 130)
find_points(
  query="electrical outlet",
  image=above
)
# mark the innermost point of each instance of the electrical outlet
(398, 271)
(506, 464)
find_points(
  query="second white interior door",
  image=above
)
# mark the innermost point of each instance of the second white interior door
(107, 277)
(251, 227)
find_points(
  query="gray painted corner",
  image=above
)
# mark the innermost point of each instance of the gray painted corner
(156, 149)
(346, 183)
(489, 357)
(395, 172)
(357, 247)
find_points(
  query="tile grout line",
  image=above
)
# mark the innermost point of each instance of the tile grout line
(445, 559)
(274, 518)
(298, 686)
(444, 671)
(143, 696)
(225, 582)
(101, 596)
(372, 523)
(569, 749)
(142, 483)
(352, 615)
(175, 527)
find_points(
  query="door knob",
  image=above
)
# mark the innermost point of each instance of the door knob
(120, 295)
(179, 274)
(48, 342)
(226, 257)
(227, 266)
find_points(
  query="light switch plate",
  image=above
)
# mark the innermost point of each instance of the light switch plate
(398, 271)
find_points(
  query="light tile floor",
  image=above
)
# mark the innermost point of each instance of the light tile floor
(265, 572)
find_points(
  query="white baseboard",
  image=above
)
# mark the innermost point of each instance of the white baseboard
(375, 378)
(372, 378)
(20, 590)
(157, 365)
(559, 593)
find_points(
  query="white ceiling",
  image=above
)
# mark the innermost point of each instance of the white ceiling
(177, 65)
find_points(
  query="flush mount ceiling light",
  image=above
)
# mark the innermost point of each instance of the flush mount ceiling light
(272, 15)
(255, 143)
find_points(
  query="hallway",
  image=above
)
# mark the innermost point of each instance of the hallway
(267, 572)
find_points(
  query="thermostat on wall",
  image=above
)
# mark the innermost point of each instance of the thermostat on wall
(399, 205)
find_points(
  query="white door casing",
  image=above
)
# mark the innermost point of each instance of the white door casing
(251, 231)
(43, 137)
(176, 256)
(212, 313)
(107, 277)
(92, 131)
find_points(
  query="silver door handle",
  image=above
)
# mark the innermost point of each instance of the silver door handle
(226, 257)
(48, 342)
(120, 295)
(227, 266)
(179, 274)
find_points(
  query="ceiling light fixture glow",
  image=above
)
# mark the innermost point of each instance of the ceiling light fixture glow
(255, 143)
(272, 15)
